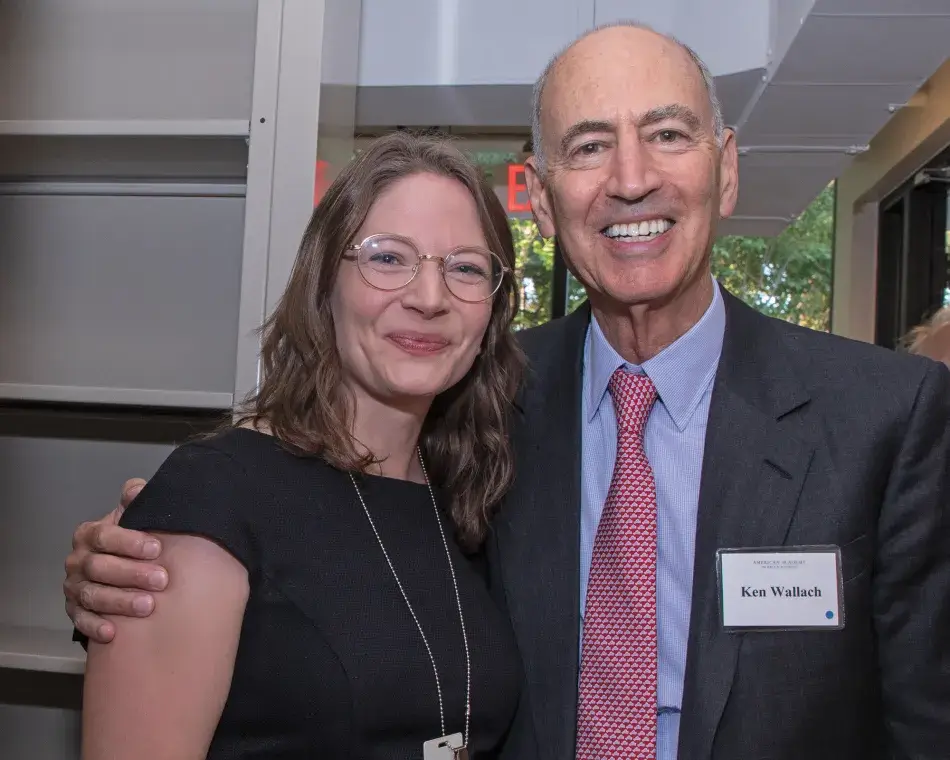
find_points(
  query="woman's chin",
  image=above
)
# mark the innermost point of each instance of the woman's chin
(408, 393)
(419, 385)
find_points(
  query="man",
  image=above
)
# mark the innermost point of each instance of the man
(932, 338)
(664, 424)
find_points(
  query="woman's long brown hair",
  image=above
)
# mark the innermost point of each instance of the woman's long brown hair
(302, 397)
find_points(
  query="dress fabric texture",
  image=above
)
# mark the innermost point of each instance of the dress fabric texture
(330, 663)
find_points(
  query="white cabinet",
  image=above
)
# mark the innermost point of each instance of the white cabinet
(58, 468)
(120, 298)
(127, 61)
(123, 174)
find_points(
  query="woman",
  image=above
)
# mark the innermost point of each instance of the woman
(319, 603)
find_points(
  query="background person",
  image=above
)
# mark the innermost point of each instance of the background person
(932, 337)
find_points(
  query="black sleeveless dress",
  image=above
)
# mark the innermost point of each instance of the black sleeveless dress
(330, 663)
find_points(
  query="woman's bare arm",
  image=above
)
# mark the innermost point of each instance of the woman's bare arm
(158, 689)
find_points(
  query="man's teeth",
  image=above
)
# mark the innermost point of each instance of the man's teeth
(644, 229)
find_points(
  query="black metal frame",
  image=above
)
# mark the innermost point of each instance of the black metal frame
(912, 270)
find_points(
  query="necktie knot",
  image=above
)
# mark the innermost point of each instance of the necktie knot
(633, 396)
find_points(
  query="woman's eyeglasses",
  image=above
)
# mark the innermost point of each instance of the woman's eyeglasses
(389, 262)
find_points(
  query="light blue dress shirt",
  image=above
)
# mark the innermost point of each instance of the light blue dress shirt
(675, 434)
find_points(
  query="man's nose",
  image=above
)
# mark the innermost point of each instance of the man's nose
(427, 292)
(633, 174)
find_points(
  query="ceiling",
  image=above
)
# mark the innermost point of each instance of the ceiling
(848, 66)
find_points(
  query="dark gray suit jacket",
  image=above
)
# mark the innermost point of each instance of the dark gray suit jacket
(812, 439)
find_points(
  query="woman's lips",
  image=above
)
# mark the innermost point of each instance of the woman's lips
(419, 344)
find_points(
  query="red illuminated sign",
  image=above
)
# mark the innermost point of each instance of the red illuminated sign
(320, 183)
(515, 188)
(518, 201)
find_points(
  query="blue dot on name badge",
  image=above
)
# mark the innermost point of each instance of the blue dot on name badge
(829, 614)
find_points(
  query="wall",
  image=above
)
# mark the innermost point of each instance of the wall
(915, 134)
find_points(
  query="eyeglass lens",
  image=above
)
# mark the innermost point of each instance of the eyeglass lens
(390, 263)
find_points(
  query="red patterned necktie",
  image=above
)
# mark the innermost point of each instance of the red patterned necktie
(616, 716)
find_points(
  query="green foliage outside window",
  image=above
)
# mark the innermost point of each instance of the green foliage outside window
(534, 270)
(788, 276)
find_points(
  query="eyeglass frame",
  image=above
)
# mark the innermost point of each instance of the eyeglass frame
(420, 257)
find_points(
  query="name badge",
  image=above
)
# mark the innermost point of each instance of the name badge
(786, 588)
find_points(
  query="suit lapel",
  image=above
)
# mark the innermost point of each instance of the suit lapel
(537, 534)
(757, 452)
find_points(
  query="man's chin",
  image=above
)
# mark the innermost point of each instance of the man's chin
(643, 290)
(656, 281)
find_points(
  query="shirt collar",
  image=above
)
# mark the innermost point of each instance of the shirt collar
(681, 372)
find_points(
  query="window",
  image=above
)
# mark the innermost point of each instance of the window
(534, 273)
(946, 246)
(547, 289)
(575, 293)
(788, 276)
(538, 273)
(912, 252)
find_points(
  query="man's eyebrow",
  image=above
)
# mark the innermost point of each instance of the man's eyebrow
(673, 111)
(585, 127)
(676, 111)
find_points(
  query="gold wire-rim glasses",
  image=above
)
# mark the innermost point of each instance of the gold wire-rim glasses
(359, 248)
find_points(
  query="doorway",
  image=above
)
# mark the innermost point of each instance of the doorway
(913, 273)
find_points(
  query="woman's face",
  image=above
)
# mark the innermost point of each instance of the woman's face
(408, 345)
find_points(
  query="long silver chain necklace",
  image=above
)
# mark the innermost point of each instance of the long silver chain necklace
(448, 746)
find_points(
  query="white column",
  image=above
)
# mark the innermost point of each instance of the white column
(299, 44)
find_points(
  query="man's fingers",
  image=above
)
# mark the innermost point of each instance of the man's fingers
(82, 536)
(129, 491)
(123, 573)
(106, 600)
(93, 626)
(122, 542)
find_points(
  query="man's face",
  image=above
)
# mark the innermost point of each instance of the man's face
(635, 178)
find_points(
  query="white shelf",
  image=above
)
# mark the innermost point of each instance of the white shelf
(135, 189)
(127, 127)
(52, 651)
(119, 396)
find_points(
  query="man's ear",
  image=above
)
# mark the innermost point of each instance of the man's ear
(728, 174)
(539, 197)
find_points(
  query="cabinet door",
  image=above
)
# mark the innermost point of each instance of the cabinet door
(58, 468)
(108, 60)
(120, 299)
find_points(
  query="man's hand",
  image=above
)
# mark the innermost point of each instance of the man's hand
(106, 568)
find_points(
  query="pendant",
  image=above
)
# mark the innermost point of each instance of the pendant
(451, 747)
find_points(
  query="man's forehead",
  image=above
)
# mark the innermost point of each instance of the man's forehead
(628, 73)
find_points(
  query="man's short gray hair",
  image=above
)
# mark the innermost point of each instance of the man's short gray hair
(708, 82)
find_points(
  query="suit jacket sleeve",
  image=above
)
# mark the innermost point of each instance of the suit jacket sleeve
(519, 742)
(911, 594)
